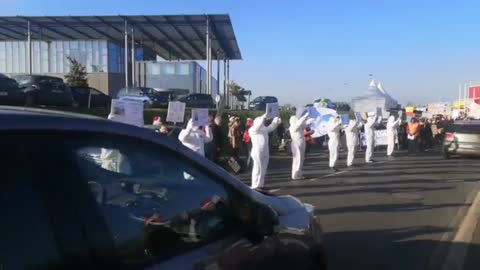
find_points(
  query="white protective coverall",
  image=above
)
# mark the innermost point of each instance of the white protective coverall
(333, 129)
(351, 134)
(392, 126)
(260, 148)
(372, 121)
(297, 125)
(194, 138)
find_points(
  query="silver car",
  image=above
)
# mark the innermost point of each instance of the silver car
(84, 192)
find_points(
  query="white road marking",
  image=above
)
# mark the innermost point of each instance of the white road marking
(457, 252)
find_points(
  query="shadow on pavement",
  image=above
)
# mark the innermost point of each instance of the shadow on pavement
(402, 249)
(397, 207)
(369, 190)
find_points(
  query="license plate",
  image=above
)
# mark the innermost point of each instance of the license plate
(3, 94)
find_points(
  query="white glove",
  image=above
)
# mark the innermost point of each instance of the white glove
(190, 124)
(277, 120)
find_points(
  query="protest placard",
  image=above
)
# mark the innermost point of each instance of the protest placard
(345, 119)
(358, 116)
(200, 117)
(127, 111)
(176, 112)
(273, 110)
(301, 112)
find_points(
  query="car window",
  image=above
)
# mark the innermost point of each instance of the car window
(153, 211)
(468, 129)
(94, 92)
(27, 238)
(8, 83)
(81, 91)
(23, 80)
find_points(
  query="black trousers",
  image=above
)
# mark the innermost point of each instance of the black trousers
(412, 146)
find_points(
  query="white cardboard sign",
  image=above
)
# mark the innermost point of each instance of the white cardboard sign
(273, 110)
(176, 112)
(200, 117)
(127, 111)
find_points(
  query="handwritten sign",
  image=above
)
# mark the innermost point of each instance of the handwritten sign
(127, 111)
(200, 117)
(273, 110)
(176, 112)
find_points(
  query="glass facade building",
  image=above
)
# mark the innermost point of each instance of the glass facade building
(179, 75)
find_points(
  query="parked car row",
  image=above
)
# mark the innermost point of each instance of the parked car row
(40, 90)
(35, 90)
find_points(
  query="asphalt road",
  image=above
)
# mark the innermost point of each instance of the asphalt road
(397, 214)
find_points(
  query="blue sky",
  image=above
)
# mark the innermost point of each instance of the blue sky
(301, 50)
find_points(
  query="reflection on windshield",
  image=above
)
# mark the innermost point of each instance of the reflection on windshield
(154, 206)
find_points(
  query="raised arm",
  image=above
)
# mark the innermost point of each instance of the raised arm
(257, 124)
(276, 121)
(186, 132)
(208, 135)
(351, 125)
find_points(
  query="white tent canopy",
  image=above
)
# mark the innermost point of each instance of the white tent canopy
(375, 97)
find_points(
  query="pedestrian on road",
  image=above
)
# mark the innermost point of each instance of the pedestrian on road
(195, 138)
(218, 139)
(413, 134)
(298, 144)
(235, 136)
(333, 129)
(372, 121)
(260, 148)
(351, 134)
(247, 141)
(392, 126)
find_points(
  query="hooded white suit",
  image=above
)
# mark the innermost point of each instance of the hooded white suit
(351, 134)
(194, 138)
(372, 121)
(333, 129)
(392, 126)
(297, 125)
(260, 149)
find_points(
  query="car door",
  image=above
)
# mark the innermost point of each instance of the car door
(165, 211)
(39, 228)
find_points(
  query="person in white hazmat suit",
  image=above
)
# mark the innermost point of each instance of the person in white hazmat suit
(372, 121)
(333, 131)
(260, 148)
(351, 135)
(297, 125)
(195, 138)
(392, 126)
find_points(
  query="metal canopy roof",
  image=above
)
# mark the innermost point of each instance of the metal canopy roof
(172, 37)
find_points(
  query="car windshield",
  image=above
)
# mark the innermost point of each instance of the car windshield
(8, 83)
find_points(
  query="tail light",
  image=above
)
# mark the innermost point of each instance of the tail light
(449, 136)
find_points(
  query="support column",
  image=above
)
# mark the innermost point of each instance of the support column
(218, 74)
(224, 82)
(228, 83)
(207, 53)
(126, 54)
(29, 44)
(133, 59)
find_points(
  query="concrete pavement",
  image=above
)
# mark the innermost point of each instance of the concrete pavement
(399, 214)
